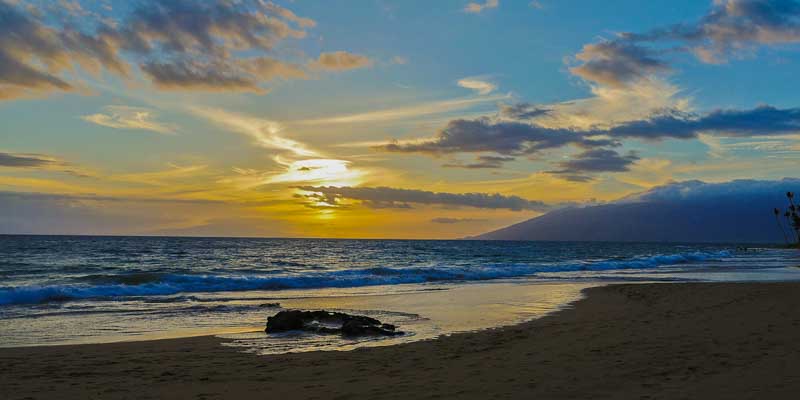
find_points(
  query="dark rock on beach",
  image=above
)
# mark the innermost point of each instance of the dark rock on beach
(326, 322)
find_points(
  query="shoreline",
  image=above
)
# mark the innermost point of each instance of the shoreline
(663, 340)
(423, 311)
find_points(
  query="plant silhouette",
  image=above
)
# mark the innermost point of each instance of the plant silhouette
(792, 215)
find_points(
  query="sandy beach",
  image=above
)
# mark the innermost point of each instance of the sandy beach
(655, 341)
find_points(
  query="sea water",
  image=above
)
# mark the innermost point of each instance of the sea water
(75, 289)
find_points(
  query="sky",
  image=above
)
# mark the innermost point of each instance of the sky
(377, 118)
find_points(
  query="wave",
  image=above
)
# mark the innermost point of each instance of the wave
(165, 284)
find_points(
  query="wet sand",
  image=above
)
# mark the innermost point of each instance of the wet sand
(654, 341)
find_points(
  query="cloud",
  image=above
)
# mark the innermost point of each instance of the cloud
(400, 60)
(289, 15)
(699, 191)
(593, 161)
(194, 75)
(33, 161)
(445, 220)
(233, 75)
(216, 45)
(512, 138)
(403, 113)
(760, 121)
(523, 111)
(730, 28)
(265, 133)
(26, 160)
(503, 137)
(483, 162)
(477, 8)
(477, 84)
(25, 47)
(617, 63)
(611, 105)
(341, 61)
(127, 117)
(400, 198)
(733, 26)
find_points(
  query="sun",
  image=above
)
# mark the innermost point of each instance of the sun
(321, 171)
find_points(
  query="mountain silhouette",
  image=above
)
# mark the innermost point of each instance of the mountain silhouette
(739, 211)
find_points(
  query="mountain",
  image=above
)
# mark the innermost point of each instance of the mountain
(739, 211)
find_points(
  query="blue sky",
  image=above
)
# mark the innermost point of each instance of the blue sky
(411, 95)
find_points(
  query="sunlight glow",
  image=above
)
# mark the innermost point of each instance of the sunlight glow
(328, 172)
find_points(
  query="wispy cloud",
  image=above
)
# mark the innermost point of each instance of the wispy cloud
(482, 162)
(341, 61)
(478, 84)
(166, 177)
(265, 133)
(477, 8)
(418, 110)
(400, 60)
(447, 220)
(126, 117)
(26, 160)
(387, 197)
(34, 161)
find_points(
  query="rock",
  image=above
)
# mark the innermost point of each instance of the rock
(358, 328)
(270, 305)
(325, 322)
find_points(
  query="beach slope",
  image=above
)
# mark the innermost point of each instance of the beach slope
(655, 341)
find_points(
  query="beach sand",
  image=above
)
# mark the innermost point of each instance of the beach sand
(653, 341)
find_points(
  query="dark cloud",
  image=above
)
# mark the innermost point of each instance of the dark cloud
(204, 27)
(384, 197)
(41, 162)
(576, 178)
(617, 63)
(445, 220)
(523, 111)
(730, 27)
(593, 161)
(183, 75)
(486, 135)
(25, 160)
(178, 44)
(22, 40)
(483, 162)
(759, 121)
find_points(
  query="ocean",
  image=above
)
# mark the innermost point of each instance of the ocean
(82, 289)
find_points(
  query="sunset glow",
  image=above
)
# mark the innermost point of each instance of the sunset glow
(116, 123)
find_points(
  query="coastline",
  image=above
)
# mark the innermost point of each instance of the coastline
(663, 340)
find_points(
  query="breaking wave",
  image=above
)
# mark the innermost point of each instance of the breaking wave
(154, 284)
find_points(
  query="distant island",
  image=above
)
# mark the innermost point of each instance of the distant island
(738, 211)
